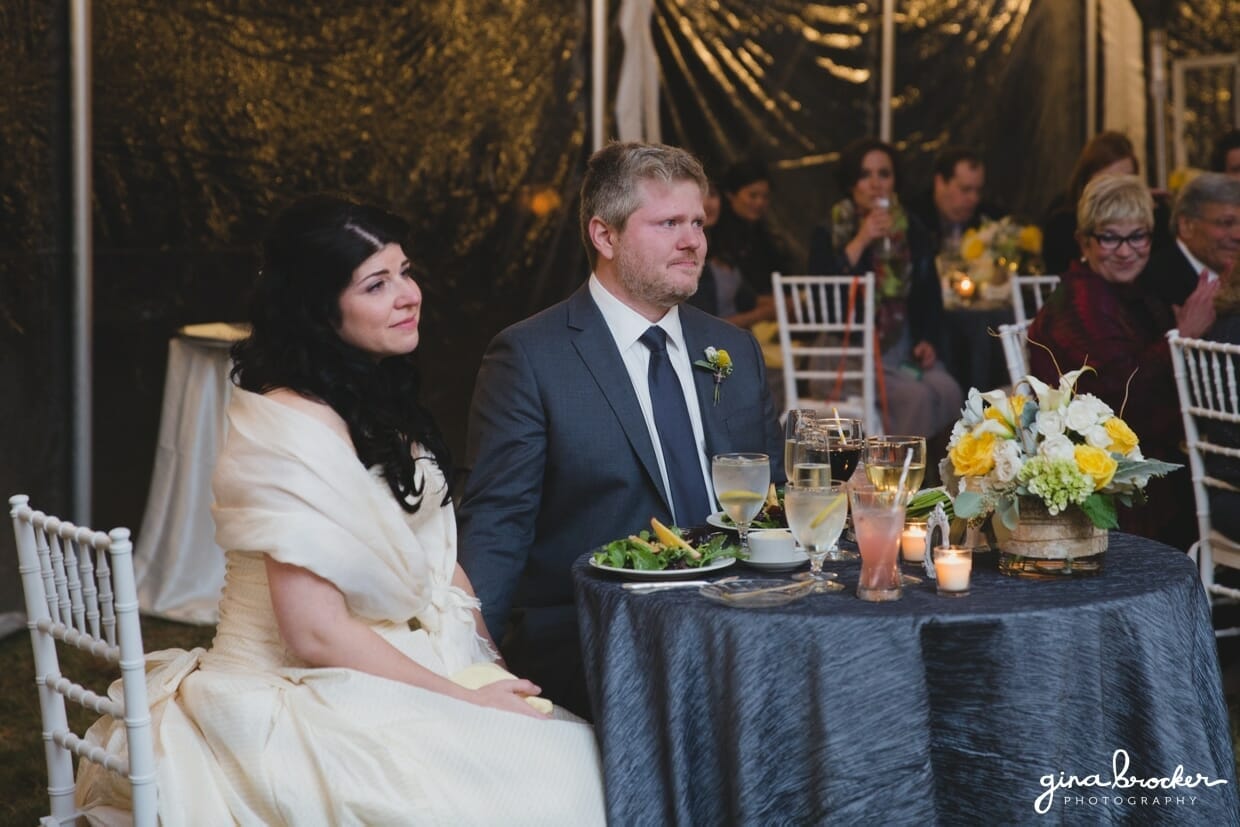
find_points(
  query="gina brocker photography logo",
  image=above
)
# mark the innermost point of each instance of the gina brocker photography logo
(1120, 789)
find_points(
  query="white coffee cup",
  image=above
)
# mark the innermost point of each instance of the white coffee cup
(772, 545)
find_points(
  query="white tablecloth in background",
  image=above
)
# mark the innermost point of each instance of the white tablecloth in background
(178, 566)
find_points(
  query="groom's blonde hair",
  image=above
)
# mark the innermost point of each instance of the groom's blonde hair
(611, 188)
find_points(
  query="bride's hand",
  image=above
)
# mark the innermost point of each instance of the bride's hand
(509, 695)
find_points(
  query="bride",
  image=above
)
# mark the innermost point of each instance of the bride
(351, 679)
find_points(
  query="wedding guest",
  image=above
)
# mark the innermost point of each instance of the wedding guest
(722, 290)
(1107, 153)
(869, 230)
(1226, 155)
(317, 702)
(954, 203)
(593, 416)
(1206, 222)
(1100, 316)
(742, 238)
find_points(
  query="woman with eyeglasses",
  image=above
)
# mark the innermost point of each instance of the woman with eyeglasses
(1100, 316)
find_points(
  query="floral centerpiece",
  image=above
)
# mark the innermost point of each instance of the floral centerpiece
(1006, 242)
(1046, 464)
(989, 255)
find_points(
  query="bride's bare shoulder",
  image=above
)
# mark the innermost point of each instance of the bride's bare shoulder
(313, 408)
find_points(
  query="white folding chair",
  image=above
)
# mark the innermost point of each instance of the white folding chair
(1206, 379)
(79, 588)
(1014, 338)
(1036, 288)
(820, 339)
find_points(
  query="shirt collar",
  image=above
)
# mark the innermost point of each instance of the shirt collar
(1196, 263)
(627, 325)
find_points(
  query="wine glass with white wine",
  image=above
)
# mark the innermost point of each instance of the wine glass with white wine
(885, 457)
(741, 481)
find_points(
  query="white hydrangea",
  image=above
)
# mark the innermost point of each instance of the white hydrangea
(1008, 460)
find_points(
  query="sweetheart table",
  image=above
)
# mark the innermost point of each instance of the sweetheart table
(178, 567)
(927, 710)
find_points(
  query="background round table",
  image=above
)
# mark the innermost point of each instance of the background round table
(830, 710)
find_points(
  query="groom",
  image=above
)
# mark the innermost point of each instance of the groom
(590, 417)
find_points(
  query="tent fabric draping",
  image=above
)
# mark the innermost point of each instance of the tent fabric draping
(1123, 72)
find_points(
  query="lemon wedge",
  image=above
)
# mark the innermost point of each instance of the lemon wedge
(671, 539)
(740, 495)
(822, 516)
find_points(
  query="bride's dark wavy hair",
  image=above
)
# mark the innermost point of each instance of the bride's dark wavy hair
(309, 257)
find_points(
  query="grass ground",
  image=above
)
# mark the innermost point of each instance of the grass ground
(23, 775)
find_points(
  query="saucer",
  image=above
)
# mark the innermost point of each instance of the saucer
(790, 563)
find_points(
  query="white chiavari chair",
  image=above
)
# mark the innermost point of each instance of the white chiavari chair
(826, 336)
(1014, 338)
(1207, 382)
(79, 589)
(1028, 289)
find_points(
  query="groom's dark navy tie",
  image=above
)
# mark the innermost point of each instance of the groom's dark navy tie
(690, 502)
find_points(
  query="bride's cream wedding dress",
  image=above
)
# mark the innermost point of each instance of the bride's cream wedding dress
(247, 734)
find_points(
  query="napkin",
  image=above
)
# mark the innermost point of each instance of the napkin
(484, 673)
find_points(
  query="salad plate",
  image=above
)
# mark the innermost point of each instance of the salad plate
(666, 574)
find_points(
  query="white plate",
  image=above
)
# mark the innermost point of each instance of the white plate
(667, 574)
(779, 565)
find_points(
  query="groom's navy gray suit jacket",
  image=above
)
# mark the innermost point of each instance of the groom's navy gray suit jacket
(561, 462)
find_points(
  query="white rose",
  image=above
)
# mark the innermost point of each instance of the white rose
(1082, 416)
(1098, 437)
(1050, 424)
(1057, 448)
(1007, 460)
(711, 353)
(958, 430)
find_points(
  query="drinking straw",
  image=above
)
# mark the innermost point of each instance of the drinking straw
(839, 426)
(908, 460)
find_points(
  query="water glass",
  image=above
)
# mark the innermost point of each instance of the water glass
(816, 516)
(794, 421)
(878, 519)
(740, 482)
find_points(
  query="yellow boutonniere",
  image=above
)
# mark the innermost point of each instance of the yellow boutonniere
(718, 362)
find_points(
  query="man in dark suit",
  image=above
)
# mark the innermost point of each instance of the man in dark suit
(954, 204)
(1206, 224)
(569, 442)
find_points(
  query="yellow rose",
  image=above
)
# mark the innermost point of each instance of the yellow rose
(1097, 463)
(1030, 239)
(973, 456)
(723, 359)
(1123, 439)
(971, 246)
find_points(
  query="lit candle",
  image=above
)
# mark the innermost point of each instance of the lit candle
(913, 542)
(951, 570)
(966, 287)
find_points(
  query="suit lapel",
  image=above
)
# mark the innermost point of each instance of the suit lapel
(703, 380)
(597, 349)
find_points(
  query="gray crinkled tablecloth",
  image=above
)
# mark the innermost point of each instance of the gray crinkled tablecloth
(929, 710)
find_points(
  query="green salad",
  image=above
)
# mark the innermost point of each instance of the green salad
(668, 547)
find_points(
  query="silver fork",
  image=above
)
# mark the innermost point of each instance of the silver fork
(662, 585)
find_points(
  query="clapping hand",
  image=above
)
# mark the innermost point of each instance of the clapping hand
(1196, 315)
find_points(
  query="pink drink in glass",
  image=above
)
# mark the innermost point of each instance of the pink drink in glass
(878, 521)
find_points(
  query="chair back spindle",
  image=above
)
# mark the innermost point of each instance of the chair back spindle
(79, 591)
(1206, 382)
